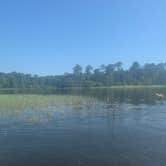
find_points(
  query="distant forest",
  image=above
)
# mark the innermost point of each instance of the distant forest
(105, 75)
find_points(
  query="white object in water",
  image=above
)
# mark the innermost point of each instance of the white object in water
(159, 95)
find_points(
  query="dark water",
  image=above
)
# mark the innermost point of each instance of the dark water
(119, 128)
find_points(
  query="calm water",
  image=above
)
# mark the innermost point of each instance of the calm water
(117, 128)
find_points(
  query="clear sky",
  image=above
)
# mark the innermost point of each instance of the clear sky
(51, 36)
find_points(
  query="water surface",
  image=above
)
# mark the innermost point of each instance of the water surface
(84, 128)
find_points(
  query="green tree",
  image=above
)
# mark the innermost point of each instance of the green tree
(77, 72)
(88, 71)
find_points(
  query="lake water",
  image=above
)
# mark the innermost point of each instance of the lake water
(115, 128)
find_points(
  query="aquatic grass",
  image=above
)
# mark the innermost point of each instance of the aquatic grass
(19, 102)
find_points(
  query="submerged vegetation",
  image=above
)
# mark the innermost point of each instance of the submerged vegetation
(104, 76)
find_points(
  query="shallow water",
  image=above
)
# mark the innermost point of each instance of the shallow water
(119, 128)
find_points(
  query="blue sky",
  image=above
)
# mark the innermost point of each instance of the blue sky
(51, 36)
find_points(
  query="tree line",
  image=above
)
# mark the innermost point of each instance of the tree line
(105, 75)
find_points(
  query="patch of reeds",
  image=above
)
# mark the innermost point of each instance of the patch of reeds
(20, 102)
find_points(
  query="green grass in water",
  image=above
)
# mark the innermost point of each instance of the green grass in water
(20, 102)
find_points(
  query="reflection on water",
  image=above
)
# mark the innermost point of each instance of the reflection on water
(94, 127)
(134, 96)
